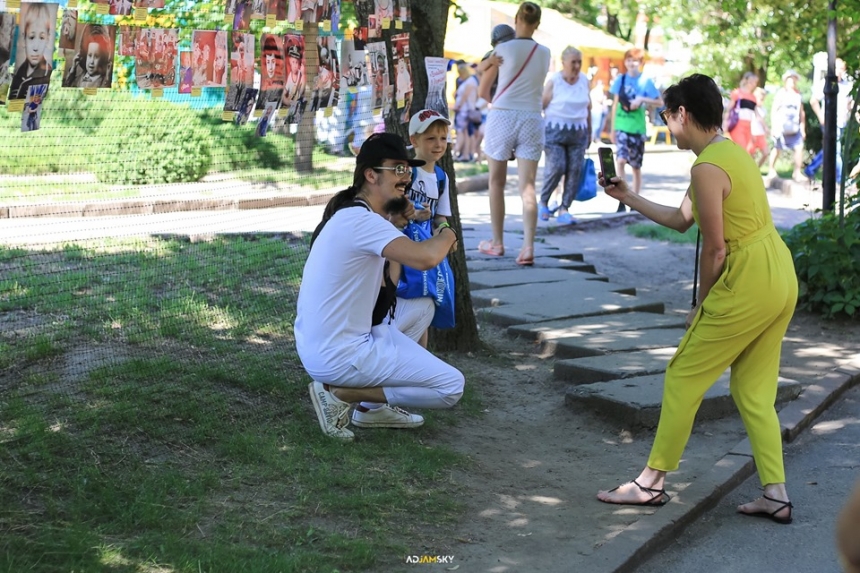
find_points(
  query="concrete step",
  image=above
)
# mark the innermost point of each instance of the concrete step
(552, 295)
(599, 344)
(618, 366)
(636, 401)
(597, 304)
(514, 277)
(507, 263)
(550, 330)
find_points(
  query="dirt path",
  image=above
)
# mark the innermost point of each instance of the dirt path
(538, 463)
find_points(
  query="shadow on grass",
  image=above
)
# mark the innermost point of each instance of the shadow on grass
(154, 414)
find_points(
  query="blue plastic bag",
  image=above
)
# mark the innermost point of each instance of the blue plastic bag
(588, 183)
(436, 283)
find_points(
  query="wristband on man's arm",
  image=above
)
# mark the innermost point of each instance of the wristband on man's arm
(447, 225)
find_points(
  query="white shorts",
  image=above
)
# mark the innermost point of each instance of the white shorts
(520, 133)
(412, 316)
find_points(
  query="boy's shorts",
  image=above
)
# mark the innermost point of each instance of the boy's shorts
(788, 142)
(758, 142)
(509, 131)
(630, 147)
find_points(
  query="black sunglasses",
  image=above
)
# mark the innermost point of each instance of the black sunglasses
(664, 115)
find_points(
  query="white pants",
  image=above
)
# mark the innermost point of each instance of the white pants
(409, 375)
(412, 316)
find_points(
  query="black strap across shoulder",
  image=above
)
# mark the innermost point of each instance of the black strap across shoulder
(387, 299)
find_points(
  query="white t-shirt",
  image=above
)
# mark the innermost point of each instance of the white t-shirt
(340, 285)
(843, 100)
(569, 104)
(757, 126)
(525, 93)
(425, 189)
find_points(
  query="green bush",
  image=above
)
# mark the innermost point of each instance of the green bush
(238, 147)
(40, 152)
(827, 260)
(129, 140)
(120, 138)
(163, 144)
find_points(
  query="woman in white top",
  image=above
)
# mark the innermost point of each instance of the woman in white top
(567, 113)
(515, 126)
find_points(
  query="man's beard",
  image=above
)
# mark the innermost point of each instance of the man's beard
(396, 206)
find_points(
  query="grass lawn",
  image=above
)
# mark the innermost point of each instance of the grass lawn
(660, 233)
(154, 417)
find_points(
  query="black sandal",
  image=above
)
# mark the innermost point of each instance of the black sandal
(658, 498)
(772, 514)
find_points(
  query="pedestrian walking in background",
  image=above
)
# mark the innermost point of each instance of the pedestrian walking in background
(632, 93)
(759, 130)
(788, 125)
(515, 126)
(747, 298)
(741, 112)
(567, 113)
(466, 112)
(598, 109)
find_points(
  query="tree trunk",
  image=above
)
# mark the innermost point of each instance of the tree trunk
(427, 37)
(306, 133)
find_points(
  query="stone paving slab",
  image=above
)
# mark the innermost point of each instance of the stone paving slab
(593, 304)
(508, 264)
(514, 277)
(553, 329)
(554, 296)
(636, 401)
(599, 344)
(622, 365)
(511, 252)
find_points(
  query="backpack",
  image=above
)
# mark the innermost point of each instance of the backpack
(438, 282)
(623, 99)
(789, 114)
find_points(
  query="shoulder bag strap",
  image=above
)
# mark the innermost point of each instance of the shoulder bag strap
(499, 94)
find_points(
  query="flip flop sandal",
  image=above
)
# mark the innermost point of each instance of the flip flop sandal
(658, 498)
(488, 248)
(544, 213)
(526, 257)
(565, 219)
(772, 514)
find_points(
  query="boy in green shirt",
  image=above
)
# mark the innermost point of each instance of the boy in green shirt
(632, 93)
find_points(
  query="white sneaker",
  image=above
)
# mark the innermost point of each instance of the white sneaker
(386, 417)
(332, 414)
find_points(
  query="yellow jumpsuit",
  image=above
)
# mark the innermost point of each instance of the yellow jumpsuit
(741, 324)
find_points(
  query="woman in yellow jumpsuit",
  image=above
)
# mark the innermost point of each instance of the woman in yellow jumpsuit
(748, 294)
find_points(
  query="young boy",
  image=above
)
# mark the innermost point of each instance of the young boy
(631, 93)
(428, 132)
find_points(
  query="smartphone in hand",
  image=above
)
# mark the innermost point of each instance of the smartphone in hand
(607, 163)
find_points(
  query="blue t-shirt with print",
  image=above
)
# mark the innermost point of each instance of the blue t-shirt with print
(632, 121)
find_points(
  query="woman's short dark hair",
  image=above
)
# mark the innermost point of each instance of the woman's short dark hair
(700, 96)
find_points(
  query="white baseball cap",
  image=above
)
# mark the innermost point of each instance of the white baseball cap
(422, 120)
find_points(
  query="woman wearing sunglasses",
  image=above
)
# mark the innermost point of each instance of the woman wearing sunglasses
(748, 294)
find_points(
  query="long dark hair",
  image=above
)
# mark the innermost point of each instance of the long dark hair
(343, 198)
